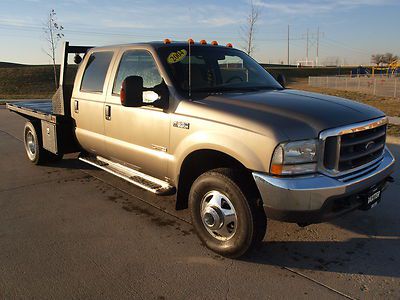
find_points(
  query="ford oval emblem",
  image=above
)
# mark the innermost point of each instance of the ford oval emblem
(369, 145)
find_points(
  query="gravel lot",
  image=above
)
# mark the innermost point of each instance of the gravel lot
(71, 231)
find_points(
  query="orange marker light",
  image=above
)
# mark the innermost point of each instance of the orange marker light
(229, 45)
(167, 41)
(214, 43)
(203, 42)
(191, 41)
(276, 169)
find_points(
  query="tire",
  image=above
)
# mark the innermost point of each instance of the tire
(33, 144)
(225, 214)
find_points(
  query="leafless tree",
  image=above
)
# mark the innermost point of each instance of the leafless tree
(378, 59)
(389, 58)
(53, 34)
(249, 28)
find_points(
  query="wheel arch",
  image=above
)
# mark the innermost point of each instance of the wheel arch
(199, 161)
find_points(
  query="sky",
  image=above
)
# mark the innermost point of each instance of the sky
(350, 30)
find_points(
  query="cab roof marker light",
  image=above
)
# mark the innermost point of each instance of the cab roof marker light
(167, 41)
(190, 41)
(229, 45)
(214, 43)
(203, 42)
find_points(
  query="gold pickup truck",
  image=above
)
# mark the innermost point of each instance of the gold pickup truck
(207, 123)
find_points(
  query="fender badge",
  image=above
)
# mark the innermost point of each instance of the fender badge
(180, 124)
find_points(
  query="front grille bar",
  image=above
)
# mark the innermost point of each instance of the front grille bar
(331, 143)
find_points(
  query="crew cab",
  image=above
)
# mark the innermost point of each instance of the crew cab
(208, 124)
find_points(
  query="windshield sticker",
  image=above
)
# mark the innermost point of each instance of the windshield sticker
(177, 56)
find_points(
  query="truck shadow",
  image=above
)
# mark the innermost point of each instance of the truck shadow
(70, 162)
(382, 220)
(367, 256)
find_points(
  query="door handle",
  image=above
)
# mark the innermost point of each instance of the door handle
(76, 106)
(108, 112)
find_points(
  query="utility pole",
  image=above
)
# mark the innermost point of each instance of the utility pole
(288, 46)
(316, 60)
(307, 46)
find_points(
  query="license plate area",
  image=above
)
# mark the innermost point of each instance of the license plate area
(371, 198)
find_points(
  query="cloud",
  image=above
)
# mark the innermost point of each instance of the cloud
(313, 7)
(219, 21)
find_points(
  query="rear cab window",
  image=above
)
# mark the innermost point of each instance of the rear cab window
(96, 71)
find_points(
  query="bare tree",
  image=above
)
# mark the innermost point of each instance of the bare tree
(378, 59)
(389, 58)
(248, 30)
(53, 34)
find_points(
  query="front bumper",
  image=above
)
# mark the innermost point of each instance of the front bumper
(317, 198)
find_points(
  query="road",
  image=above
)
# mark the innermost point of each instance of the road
(71, 231)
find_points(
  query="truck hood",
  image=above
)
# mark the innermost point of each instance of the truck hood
(294, 114)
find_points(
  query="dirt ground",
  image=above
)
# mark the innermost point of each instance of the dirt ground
(390, 106)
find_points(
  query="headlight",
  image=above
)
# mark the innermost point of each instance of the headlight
(295, 158)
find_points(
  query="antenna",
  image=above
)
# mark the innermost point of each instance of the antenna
(190, 42)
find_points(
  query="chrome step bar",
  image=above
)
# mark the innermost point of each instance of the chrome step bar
(137, 178)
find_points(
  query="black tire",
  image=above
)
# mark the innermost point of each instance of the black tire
(238, 191)
(33, 144)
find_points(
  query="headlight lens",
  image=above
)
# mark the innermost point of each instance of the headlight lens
(295, 158)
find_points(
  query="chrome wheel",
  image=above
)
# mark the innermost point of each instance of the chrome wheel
(30, 145)
(218, 215)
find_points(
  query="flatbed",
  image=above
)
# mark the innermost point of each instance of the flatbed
(42, 109)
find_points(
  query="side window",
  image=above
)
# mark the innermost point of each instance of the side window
(137, 63)
(96, 71)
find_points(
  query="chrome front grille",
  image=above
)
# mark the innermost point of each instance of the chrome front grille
(350, 148)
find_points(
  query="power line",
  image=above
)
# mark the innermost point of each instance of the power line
(33, 28)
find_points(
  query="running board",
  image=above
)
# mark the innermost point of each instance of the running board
(139, 179)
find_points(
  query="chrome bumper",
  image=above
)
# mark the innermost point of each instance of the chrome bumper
(310, 193)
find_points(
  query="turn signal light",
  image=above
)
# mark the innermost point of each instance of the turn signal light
(276, 169)
(229, 45)
(214, 43)
(203, 42)
(167, 41)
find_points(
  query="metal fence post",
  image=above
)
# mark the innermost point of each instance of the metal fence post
(345, 80)
(359, 83)
(395, 87)
(327, 81)
(374, 92)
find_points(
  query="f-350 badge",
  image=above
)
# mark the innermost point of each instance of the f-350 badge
(180, 124)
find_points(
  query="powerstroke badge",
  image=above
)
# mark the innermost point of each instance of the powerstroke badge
(180, 124)
(177, 56)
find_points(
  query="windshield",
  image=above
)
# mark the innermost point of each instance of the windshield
(215, 69)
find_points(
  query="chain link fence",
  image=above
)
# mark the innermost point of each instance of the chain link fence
(386, 86)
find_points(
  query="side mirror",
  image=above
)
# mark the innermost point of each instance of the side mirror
(281, 79)
(131, 94)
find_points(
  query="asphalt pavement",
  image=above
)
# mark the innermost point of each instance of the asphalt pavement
(68, 230)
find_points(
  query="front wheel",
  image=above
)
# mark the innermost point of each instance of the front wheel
(225, 213)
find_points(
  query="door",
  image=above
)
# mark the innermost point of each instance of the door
(137, 136)
(87, 103)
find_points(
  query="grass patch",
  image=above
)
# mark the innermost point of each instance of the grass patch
(393, 130)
